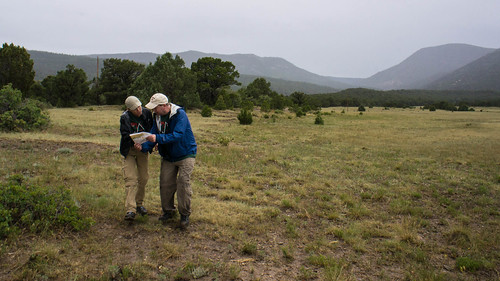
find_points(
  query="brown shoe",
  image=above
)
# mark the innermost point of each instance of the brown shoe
(130, 216)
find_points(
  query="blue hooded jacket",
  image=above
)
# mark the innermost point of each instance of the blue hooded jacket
(177, 142)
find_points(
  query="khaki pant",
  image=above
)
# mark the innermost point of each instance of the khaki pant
(176, 177)
(135, 173)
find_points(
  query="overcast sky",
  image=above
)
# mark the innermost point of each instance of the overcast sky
(341, 38)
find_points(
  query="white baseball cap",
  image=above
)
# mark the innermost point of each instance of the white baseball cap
(156, 100)
(132, 102)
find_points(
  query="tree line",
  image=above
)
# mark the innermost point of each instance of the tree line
(405, 98)
(207, 82)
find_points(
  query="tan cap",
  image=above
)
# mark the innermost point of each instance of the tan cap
(132, 103)
(156, 100)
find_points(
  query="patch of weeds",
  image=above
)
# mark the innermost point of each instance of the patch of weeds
(426, 274)
(288, 253)
(199, 272)
(416, 195)
(287, 204)
(272, 212)
(224, 140)
(333, 268)
(471, 264)
(38, 267)
(459, 236)
(482, 190)
(233, 272)
(249, 248)
(306, 274)
(291, 229)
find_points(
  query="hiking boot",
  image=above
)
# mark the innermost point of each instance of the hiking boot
(184, 221)
(166, 216)
(130, 216)
(142, 211)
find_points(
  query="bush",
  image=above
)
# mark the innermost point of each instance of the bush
(18, 115)
(220, 104)
(206, 111)
(247, 105)
(37, 209)
(319, 120)
(299, 112)
(361, 108)
(245, 117)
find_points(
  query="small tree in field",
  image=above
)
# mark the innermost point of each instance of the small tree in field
(206, 111)
(245, 117)
(319, 120)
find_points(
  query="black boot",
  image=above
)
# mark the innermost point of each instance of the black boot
(184, 221)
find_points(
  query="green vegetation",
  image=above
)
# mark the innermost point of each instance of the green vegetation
(245, 117)
(17, 114)
(405, 98)
(69, 88)
(213, 74)
(206, 111)
(398, 194)
(29, 208)
(16, 67)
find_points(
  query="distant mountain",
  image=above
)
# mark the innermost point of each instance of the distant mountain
(46, 64)
(247, 64)
(425, 66)
(287, 87)
(442, 67)
(481, 74)
(271, 67)
(144, 58)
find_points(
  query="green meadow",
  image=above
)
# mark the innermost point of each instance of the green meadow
(390, 194)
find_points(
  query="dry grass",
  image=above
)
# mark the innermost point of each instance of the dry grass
(390, 194)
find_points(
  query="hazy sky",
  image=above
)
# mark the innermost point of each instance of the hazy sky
(342, 38)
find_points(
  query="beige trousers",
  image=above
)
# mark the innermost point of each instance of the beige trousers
(135, 173)
(176, 177)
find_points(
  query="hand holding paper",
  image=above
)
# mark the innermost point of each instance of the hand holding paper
(140, 138)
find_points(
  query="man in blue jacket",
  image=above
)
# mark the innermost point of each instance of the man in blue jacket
(177, 146)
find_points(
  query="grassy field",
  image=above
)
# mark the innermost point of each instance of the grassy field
(399, 194)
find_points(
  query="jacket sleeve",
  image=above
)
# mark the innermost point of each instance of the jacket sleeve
(178, 131)
(125, 128)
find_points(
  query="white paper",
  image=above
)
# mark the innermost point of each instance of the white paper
(140, 138)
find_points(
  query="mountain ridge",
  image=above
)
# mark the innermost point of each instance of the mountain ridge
(421, 70)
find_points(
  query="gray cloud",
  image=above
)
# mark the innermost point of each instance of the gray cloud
(354, 38)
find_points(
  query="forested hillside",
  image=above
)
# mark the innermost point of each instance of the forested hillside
(481, 74)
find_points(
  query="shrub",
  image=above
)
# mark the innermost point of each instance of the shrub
(37, 209)
(361, 108)
(471, 264)
(319, 120)
(249, 248)
(18, 115)
(245, 117)
(220, 104)
(206, 111)
(299, 112)
(247, 105)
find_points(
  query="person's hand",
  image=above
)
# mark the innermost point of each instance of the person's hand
(151, 138)
(138, 146)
